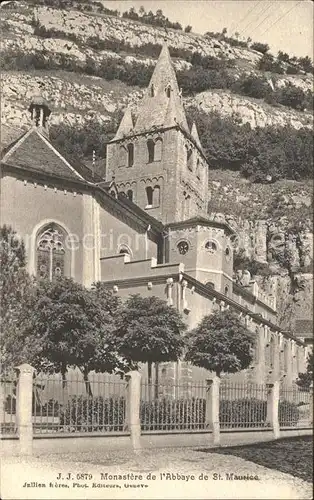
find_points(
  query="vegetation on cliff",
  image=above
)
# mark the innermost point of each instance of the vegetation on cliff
(261, 154)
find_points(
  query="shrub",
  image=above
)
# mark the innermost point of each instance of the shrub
(244, 412)
(80, 142)
(283, 56)
(281, 153)
(197, 79)
(265, 63)
(241, 262)
(157, 19)
(294, 97)
(51, 408)
(306, 64)
(169, 414)
(260, 47)
(86, 414)
(292, 70)
(289, 414)
(252, 412)
(252, 86)
(188, 29)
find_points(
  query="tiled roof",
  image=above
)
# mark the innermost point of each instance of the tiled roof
(35, 152)
(304, 327)
(126, 125)
(198, 219)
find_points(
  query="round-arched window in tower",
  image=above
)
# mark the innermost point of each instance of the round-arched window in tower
(211, 246)
(228, 254)
(183, 247)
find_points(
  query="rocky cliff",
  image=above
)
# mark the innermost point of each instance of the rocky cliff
(273, 222)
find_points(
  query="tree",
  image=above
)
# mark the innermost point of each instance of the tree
(188, 28)
(16, 288)
(224, 31)
(149, 331)
(283, 56)
(306, 379)
(76, 328)
(220, 343)
(266, 62)
(306, 64)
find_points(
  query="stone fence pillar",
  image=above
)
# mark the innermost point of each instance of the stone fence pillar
(212, 408)
(132, 413)
(273, 407)
(24, 400)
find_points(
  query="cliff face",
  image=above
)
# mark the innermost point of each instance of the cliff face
(273, 222)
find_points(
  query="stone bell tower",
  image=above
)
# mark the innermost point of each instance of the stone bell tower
(157, 160)
(40, 112)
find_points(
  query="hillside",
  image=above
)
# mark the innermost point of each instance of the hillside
(90, 66)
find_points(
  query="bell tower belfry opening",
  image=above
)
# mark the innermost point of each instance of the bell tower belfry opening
(168, 171)
(40, 111)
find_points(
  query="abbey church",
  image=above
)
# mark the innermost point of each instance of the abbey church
(142, 227)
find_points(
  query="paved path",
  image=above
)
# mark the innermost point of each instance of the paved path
(15, 472)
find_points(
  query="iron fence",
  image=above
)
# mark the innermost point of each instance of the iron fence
(74, 405)
(242, 405)
(294, 407)
(173, 407)
(8, 389)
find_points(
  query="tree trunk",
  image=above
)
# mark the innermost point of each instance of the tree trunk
(87, 382)
(63, 374)
(149, 373)
(156, 380)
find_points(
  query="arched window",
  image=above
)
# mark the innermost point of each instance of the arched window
(189, 159)
(158, 149)
(156, 196)
(282, 359)
(122, 156)
(151, 150)
(210, 284)
(286, 357)
(228, 254)
(186, 205)
(130, 155)
(198, 169)
(113, 193)
(226, 291)
(149, 194)
(52, 258)
(168, 91)
(129, 194)
(152, 90)
(271, 352)
(124, 249)
(211, 246)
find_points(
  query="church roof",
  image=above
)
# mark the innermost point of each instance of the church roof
(198, 219)
(32, 151)
(161, 106)
(126, 126)
(195, 136)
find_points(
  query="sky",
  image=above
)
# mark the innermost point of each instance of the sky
(283, 25)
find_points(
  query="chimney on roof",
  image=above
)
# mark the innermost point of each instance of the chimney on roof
(40, 112)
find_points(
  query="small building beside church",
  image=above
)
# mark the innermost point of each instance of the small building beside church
(143, 226)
